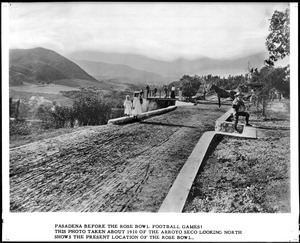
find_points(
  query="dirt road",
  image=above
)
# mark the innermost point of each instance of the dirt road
(111, 168)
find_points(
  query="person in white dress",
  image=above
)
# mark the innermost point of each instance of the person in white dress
(179, 94)
(136, 105)
(128, 106)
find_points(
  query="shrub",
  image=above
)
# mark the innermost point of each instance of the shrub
(190, 85)
(90, 109)
(63, 116)
(45, 114)
(18, 128)
(116, 113)
(55, 116)
(115, 98)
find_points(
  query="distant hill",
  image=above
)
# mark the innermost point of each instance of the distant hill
(135, 61)
(173, 70)
(42, 65)
(123, 73)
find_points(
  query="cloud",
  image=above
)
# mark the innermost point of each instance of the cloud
(161, 30)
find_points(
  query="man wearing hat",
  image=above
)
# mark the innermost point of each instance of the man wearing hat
(238, 107)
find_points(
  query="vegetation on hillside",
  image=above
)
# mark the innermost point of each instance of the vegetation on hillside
(87, 106)
(195, 83)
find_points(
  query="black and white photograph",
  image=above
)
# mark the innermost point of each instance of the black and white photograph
(154, 121)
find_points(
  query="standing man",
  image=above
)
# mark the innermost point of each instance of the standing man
(166, 91)
(147, 91)
(238, 107)
(155, 90)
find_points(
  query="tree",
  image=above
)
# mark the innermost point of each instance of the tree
(278, 40)
(279, 80)
(190, 85)
(272, 79)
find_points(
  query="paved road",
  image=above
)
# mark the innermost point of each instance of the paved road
(111, 168)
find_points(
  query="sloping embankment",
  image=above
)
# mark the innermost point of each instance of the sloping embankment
(108, 168)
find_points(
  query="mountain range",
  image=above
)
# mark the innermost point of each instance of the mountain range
(42, 65)
(90, 67)
(123, 73)
(174, 70)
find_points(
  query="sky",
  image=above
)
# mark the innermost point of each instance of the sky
(165, 31)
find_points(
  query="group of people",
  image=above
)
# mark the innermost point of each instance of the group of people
(165, 89)
(133, 107)
(173, 91)
(148, 92)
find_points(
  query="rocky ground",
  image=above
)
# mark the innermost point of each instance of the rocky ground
(111, 168)
(245, 175)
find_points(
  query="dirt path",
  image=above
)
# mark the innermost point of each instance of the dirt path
(108, 168)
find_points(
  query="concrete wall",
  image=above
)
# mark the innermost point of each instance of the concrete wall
(123, 120)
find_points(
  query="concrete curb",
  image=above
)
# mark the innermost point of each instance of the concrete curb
(222, 119)
(123, 120)
(176, 198)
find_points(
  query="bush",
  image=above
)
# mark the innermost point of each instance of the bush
(90, 109)
(116, 113)
(190, 85)
(19, 128)
(55, 116)
(63, 116)
(25, 111)
(115, 98)
(45, 114)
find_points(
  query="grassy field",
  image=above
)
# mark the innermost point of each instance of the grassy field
(53, 91)
(27, 95)
(48, 88)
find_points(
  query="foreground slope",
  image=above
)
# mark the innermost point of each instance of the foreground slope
(111, 168)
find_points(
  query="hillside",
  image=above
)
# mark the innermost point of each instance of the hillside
(172, 70)
(123, 73)
(109, 168)
(42, 65)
